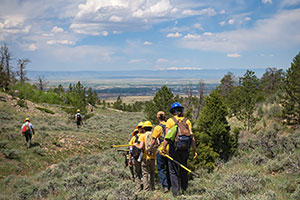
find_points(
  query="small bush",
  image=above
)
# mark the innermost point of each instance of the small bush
(22, 103)
(39, 151)
(45, 110)
(11, 153)
(274, 111)
(3, 144)
(296, 194)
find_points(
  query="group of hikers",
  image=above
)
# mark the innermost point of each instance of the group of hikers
(171, 138)
(28, 129)
(169, 144)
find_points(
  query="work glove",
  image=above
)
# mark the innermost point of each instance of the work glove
(164, 151)
(195, 155)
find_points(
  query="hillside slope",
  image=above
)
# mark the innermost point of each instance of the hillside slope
(70, 163)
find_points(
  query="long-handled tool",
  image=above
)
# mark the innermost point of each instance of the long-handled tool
(178, 163)
(120, 145)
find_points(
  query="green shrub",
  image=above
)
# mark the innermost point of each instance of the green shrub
(45, 110)
(296, 194)
(11, 153)
(274, 111)
(22, 103)
(3, 144)
(39, 151)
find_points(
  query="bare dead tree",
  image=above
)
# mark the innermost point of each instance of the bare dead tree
(42, 83)
(6, 75)
(189, 93)
(21, 71)
(201, 92)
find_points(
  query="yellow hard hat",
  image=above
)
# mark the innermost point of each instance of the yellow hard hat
(140, 125)
(135, 131)
(78, 110)
(147, 124)
(27, 119)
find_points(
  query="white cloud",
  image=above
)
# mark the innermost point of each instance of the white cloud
(222, 23)
(268, 32)
(290, 3)
(174, 35)
(115, 19)
(184, 68)
(32, 47)
(147, 43)
(104, 33)
(57, 29)
(266, 1)
(208, 34)
(233, 55)
(222, 12)
(162, 60)
(206, 11)
(248, 19)
(116, 32)
(198, 26)
(231, 21)
(64, 42)
(94, 16)
(136, 61)
(192, 37)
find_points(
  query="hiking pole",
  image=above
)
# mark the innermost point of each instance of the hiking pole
(178, 163)
(120, 145)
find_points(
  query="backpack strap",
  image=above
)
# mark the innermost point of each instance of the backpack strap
(161, 138)
(137, 139)
(175, 120)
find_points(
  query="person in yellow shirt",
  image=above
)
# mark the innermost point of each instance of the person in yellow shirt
(158, 136)
(148, 160)
(179, 176)
(133, 156)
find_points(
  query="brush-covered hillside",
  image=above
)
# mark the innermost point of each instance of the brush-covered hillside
(65, 162)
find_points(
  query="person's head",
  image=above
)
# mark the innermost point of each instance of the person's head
(161, 116)
(78, 111)
(177, 109)
(27, 120)
(140, 127)
(135, 132)
(147, 126)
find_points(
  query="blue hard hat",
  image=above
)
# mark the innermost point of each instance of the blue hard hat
(176, 105)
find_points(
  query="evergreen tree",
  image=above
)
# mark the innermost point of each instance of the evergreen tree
(291, 96)
(227, 83)
(92, 97)
(213, 128)
(242, 99)
(162, 101)
(272, 80)
(118, 104)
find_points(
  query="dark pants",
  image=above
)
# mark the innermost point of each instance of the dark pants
(179, 176)
(163, 170)
(28, 137)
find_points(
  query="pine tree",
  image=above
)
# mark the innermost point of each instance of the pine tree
(291, 96)
(227, 83)
(242, 99)
(271, 80)
(162, 101)
(213, 128)
(92, 97)
(118, 104)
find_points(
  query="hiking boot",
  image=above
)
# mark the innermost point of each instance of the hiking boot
(28, 144)
(166, 190)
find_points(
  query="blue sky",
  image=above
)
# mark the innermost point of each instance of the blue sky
(151, 34)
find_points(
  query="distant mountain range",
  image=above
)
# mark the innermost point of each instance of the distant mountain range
(212, 75)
